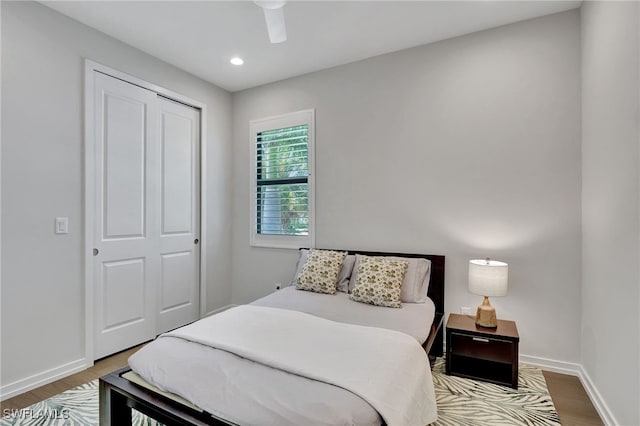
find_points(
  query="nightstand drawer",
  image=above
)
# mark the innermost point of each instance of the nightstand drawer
(479, 347)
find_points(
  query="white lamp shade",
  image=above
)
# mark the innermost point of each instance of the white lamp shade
(488, 277)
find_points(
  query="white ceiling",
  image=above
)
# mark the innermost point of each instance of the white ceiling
(201, 36)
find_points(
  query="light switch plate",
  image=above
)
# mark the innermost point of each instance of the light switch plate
(62, 225)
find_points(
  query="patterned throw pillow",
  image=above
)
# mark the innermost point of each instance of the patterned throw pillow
(379, 281)
(320, 271)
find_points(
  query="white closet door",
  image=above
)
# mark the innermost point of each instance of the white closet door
(179, 207)
(127, 261)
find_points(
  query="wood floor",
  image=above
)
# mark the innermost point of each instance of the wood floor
(571, 400)
(569, 397)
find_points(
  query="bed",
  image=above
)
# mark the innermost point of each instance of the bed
(280, 397)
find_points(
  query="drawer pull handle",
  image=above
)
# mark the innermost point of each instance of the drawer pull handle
(480, 339)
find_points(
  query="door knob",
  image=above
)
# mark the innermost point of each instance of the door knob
(196, 241)
(95, 251)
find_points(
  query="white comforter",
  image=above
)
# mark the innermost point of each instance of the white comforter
(386, 368)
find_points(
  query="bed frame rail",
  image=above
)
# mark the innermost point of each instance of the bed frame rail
(118, 396)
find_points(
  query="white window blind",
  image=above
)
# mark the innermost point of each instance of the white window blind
(282, 170)
(281, 188)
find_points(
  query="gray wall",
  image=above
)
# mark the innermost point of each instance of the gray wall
(610, 197)
(468, 147)
(42, 175)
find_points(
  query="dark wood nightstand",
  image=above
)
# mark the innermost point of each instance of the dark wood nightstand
(489, 354)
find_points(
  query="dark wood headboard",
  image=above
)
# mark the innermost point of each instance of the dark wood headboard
(435, 341)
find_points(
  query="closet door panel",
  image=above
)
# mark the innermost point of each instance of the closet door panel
(126, 259)
(180, 215)
(124, 142)
(177, 173)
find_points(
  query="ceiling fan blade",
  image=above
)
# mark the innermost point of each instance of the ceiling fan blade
(275, 24)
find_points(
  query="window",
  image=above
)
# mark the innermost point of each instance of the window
(282, 180)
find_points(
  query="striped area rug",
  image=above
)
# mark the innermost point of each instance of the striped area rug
(461, 402)
(464, 402)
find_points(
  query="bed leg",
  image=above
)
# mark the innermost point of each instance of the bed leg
(438, 344)
(432, 360)
(113, 407)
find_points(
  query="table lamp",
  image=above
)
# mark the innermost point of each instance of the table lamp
(487, 278)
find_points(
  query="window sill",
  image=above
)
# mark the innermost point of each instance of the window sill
(282, 242)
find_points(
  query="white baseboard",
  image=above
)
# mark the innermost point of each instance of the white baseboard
(562, 367)
(601, 407)
(43, 378)
(215, 311)
(577, 370)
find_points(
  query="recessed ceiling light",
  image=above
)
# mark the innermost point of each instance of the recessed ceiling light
(236, 61)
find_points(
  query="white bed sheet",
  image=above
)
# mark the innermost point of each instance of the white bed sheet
(275, 397)
(413, 319)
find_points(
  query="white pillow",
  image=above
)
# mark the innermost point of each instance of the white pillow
(342, 282)
(415, 284)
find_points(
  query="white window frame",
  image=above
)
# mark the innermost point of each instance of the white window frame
(278, 122)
